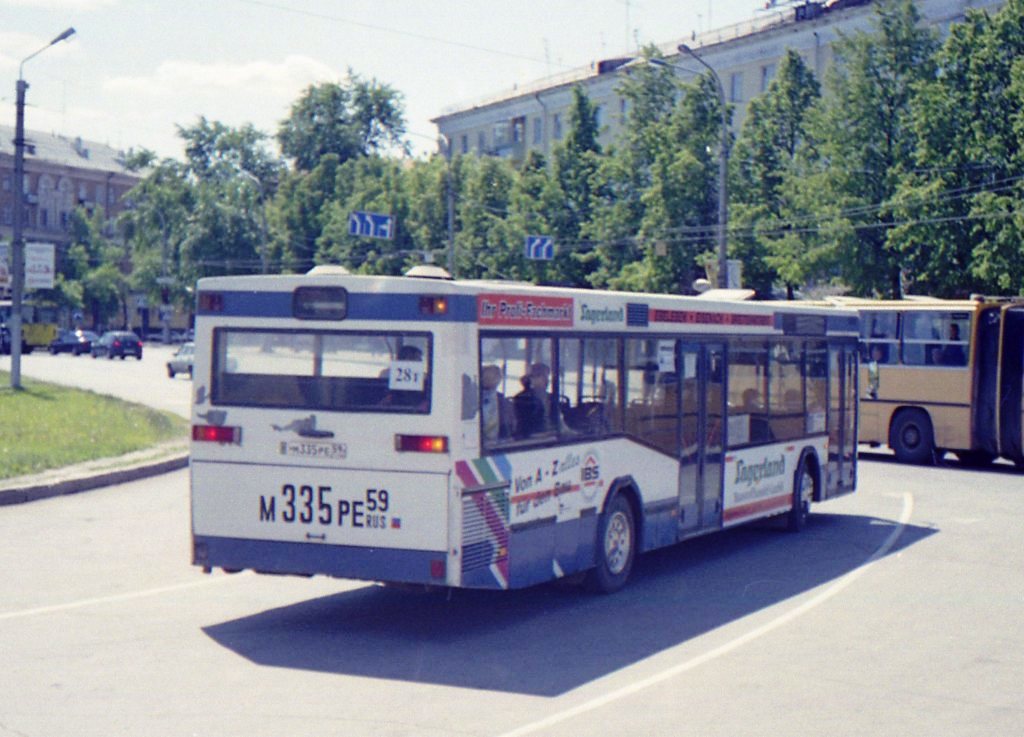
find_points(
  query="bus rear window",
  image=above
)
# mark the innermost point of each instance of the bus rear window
(334, 371)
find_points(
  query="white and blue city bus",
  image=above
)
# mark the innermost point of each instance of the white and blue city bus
(499, 435)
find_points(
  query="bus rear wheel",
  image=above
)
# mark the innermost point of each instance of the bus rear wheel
(616, 547)
(912, 438)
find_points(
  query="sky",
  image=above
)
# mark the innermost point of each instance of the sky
(137, 69)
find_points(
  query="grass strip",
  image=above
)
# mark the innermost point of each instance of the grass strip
(45, 426)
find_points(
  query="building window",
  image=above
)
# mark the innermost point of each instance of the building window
(519, 130)
(767, 75)
(481, 141)
(556, 125)
(538, 131)
(465, 144)
(736, 87)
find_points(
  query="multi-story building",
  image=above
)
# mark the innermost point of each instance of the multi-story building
(60, 174)
(744, 56)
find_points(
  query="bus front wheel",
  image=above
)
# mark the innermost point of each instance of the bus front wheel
(803, 493)
(911, 437)
(616, 547)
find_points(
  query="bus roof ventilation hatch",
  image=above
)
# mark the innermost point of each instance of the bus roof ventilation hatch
(321, 269)
(428, 271)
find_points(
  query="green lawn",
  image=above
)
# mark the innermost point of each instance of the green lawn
(46, 426)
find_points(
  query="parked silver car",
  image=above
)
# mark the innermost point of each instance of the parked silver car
(181, 361)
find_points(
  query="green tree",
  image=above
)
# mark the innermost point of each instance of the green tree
(153, 224)
(232, 175)
(960, 204)
(98, 265)
(619, 182)
(763, 167)
(350, 120)
(567, 190)
(487, 243)
(865, 141)
(680, 205)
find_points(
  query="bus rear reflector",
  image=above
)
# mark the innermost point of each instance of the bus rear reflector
(438, 568)
(422, 443)
(216, 434)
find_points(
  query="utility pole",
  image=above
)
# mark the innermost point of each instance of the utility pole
(723, 170)
(17, 241)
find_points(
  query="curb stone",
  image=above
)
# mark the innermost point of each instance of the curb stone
(95, 474)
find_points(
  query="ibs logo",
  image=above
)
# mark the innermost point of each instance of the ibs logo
(590, 476)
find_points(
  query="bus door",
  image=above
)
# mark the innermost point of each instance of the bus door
(1011, 384)
(985, 382)
(842, 418)
(702, 410)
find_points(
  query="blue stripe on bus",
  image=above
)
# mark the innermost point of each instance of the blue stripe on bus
(843, 324)
(341, 561)
(361, 306)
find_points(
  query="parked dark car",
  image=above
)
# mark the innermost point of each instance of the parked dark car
(73, 341)
(117, 344)
(181, 361)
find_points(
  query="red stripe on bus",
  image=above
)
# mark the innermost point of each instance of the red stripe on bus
(761, 505)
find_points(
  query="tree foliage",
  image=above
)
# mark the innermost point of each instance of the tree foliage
(357, 119)
(902, 171)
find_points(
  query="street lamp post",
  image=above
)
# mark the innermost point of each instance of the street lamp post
(723, 171)
(17, 243)
(263, 215)
(445, 142)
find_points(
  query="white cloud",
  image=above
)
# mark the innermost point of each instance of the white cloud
(71, 5)
(259, 78)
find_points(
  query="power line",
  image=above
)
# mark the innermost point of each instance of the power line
(393, 31)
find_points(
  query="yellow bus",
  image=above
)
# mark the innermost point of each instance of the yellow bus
(38, 326)
(942, 375)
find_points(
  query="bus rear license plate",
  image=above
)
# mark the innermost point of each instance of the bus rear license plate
(320, 506)
(310, 449)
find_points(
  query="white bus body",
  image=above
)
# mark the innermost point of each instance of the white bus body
(341, 425)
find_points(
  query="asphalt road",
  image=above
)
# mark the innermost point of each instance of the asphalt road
(897, 612)
(144, 381)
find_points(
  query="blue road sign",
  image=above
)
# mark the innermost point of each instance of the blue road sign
(540, 247)
(371, 225)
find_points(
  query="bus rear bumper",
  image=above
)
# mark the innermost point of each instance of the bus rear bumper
(305, 559)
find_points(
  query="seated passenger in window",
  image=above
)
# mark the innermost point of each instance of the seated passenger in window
(533, 403)
(953, 352)
(495, 409)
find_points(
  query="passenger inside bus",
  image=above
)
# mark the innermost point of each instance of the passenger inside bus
(953, 352)
(533, 403)
(495, 409)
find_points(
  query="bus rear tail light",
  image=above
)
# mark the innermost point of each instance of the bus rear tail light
(217, 434)
(421, 443)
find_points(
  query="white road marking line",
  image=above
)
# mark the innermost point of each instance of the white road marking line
(785, 618)
(127, 596)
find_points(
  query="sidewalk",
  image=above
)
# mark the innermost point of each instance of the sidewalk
(141, 464)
